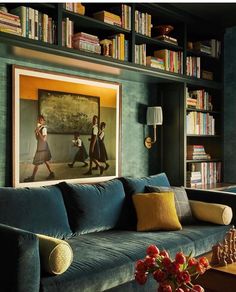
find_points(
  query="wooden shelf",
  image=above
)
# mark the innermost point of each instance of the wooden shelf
(201, 54)
(202, 111)
(203, 136)
(202, 160)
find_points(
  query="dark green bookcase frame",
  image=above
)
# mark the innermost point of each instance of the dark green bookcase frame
(171, 86)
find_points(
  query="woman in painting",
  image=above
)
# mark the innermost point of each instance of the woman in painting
(94, 151)
(81, 154)
(43, 154)
(103, 152)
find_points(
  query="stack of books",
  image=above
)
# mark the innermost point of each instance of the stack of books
(210, 173)
(119, 47)
(173, 61)
(140, 54)
(193, 65)
(194, 179)
(124, 11)
(143, 23)
(196, 152)
(200, 123)
(86, 42)
(67, 32)
(10, 23)
(36, 25)
(75, 7)
(167, 39)
(210, 47)
(199, 99)
(108, 17)
(155, 62)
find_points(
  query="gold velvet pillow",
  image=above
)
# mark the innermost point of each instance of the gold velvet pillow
(210, 212)
(156, 211)
(56, 255)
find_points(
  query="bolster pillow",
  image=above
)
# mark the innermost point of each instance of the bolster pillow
(56, 255)
(210, 212)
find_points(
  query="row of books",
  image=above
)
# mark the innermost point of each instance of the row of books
(198, 99)
(193, 66)
(155, 62)
(143, 23)
(108, 17)
(86, 42)
(119, 48)
(203, 173)
(74, 7)
(173, 61)
(140, 54)
(10, 23)
(36, 25)
(196, 152)
(211, 47)
(200, 123)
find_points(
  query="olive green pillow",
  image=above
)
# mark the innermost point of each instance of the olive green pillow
(56, 255)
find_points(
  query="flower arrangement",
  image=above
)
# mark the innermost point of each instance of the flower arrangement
(172, 275)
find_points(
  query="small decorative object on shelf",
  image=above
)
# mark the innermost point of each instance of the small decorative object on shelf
(225, 253)
(171, 275)
(207, 75)
(106, 47)
(164, 29)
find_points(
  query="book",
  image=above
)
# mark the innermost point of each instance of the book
(168, 39)
(108, 17)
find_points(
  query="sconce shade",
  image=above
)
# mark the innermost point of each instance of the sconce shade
(154, 115)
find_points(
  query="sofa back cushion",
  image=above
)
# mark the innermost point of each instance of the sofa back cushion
(128, 218)
(94, 207)
(39, 210)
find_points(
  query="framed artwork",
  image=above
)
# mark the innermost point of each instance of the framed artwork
(65, 128)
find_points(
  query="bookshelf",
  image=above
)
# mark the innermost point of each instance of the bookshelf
(172, 84)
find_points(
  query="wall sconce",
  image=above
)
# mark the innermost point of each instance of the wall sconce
(154, 118)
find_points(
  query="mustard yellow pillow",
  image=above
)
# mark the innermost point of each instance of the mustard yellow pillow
(210, 212)
(56, 255)
(156, 211)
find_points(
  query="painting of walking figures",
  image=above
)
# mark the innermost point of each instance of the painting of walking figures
(64, 128)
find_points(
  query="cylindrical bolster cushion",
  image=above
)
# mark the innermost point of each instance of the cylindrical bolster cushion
(210, 212)
(56, 255)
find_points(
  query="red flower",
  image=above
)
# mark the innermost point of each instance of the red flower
(166, 262)
(152, 251)
(164, 253)
(140, 266)
(183, 277)
(204, 262)
(164, 288)
(159, 275)
(192, 262)
(180, 258)
(197, 288)
(149, 262)
(173, 268)
(200, 268)
(141, 278)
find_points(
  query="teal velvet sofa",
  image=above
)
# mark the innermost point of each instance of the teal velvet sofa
(99, 223)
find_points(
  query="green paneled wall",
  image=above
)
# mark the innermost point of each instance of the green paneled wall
(135, 159)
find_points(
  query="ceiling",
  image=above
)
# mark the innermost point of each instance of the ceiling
(223, 14)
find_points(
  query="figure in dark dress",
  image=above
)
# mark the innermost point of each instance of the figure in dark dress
(81, 154)
(42, 154)
(94, 151)
(103, 151)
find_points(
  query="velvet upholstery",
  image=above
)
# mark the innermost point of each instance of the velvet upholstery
(94, 207)
(39, 210)
(106, 259)
(128, 218)
(20, 263)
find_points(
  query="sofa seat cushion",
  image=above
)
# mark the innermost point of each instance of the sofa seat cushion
(106, 259)
(38, 210)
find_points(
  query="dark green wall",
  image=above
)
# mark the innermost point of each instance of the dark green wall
(230, 106)
(135, 159)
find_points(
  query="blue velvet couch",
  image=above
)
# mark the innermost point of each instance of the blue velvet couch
(98, 221)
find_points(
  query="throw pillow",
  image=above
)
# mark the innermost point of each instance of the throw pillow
(55, 255)
(38, 210)
(94, 207)
(132, 186)
(210, 212)
(156, 211)
(181, 202)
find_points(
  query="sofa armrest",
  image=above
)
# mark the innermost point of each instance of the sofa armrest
(217, 197)
(20, 262)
